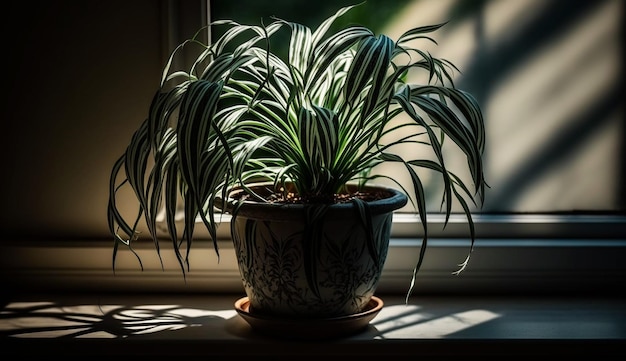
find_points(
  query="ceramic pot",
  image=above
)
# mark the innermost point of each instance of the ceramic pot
(311, 261)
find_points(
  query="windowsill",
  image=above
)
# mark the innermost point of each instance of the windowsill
(497, 265)
(517, 297)
(202, 325)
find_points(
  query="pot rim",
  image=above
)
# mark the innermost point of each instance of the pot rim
(252, 208)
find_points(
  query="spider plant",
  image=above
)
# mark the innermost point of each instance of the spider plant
(312, 121)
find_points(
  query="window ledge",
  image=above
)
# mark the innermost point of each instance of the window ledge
(107, 324)
(501, 265)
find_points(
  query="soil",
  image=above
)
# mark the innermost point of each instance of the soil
(292, 198)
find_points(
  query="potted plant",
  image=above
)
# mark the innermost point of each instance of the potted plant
(260, 135)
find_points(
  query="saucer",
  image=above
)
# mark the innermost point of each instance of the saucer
(317, 328)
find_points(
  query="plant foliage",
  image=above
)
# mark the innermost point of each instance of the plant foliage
(318, 120)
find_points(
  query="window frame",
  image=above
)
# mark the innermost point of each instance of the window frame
(550, 255)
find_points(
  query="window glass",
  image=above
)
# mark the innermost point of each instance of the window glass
(546, 73)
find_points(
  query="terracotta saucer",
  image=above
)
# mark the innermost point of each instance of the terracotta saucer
(321, 328)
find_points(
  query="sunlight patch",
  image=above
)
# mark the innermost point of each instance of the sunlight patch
(402, 322)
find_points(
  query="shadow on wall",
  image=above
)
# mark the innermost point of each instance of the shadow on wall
(586, 26)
